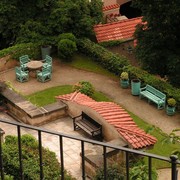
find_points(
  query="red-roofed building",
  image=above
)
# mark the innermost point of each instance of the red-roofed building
(121, 30)
(116, 122)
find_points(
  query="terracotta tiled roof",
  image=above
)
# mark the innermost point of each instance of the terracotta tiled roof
(110, 7)
(116, 116)
(123, 29)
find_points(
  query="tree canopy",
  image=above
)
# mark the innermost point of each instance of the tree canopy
(158, 38)
(37, 20)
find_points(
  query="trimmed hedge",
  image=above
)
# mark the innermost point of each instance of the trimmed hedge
(32, 49)
(113, 62)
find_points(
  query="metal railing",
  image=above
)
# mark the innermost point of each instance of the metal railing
(173, 160)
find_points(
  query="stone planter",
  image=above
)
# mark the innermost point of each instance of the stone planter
(124, 83)
(135, 87)
(170, 111)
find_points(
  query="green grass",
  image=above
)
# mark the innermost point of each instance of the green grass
(47, 96)
(80, 61)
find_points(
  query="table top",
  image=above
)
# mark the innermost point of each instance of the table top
(34, 64)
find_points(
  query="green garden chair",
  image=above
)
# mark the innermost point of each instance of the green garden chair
(21, 76)
(23, 61)
(44, 75)
(47, 62)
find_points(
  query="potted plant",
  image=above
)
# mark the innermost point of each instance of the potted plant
(124, 80)
(171, 106)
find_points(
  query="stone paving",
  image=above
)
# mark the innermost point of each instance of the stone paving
(65, 75)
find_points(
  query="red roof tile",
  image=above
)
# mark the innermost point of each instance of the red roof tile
(116, 116)
(123, 29)
(110, 7)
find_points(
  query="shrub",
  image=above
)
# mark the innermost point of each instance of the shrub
(140, 171)
(69, 36)
(84, 87)
(66, 48)
(32, 49)
(124, 76)
(113, 62)
(113, 173)
(30, 159)
(171, 102)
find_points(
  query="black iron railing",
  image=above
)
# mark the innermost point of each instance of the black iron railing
(172, 160)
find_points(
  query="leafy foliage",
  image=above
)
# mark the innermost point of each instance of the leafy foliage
(113, 62)
(114, 172)
(140, 171)
(84, 87)
(66, 45)
(30, 156)
(158, 38)
(27, 22)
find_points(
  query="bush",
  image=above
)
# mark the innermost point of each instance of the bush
(69, 36)
(113, 62)
(113, 173)
(124, 76)
(32, 49)
(84, 87)
(171, 102)
(140, 171)
(66, 48)
(30, 159)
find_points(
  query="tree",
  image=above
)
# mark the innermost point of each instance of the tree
(27, 22)
(158, 38)
(14, 14)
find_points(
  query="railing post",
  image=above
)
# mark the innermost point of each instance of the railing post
(40, 155)
(105, 162)
(1, 155)
(62, 158)
(20, 151)
(174, 170)
(127, 165)
(83, 160)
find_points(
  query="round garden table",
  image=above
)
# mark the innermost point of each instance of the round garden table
(33, 66)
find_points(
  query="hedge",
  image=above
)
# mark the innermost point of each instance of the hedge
(113, 62)
(32, 49)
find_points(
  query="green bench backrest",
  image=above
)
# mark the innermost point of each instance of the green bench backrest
(155, 91)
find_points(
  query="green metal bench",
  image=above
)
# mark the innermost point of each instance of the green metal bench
(154, 95)
(44, 75)
(21, 76)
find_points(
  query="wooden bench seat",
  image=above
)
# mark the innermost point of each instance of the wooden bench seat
(154, 95)
(89, 125)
